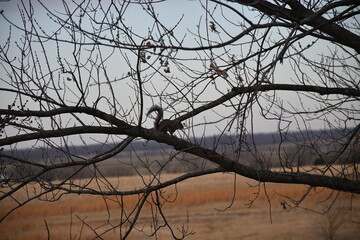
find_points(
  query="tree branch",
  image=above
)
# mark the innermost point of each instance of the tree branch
(261, 175)
(299, 13)
(351, 92)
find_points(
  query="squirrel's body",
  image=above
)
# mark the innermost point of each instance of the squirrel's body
(165, 125)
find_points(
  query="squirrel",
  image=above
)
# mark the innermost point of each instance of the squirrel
(165, 125)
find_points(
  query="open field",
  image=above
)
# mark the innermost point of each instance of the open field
(203, 201)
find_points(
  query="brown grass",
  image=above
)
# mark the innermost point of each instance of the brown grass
(203, 199)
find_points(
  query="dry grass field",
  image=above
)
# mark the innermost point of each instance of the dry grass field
(201, 204)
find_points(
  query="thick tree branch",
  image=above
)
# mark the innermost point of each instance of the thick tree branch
(226, 163)
(300, 14)
(261, 175)
(350, 92)
(60, 133)
(124, 128)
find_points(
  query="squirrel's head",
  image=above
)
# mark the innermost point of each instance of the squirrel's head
(178, 125)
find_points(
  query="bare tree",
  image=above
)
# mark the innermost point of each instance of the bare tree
(87, 73)
(333, 221)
